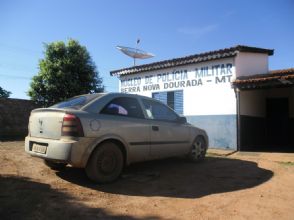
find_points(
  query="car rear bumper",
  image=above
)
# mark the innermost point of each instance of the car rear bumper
(74, 152)
(57, 150)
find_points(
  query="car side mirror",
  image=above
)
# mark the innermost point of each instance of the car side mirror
(182, 120)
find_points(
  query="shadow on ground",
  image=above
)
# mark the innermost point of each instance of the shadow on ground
(178, 178)
(22, 198)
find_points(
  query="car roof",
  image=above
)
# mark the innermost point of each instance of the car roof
(117, 94)
(114, 95)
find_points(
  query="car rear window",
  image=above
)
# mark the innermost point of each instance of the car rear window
(76, 102)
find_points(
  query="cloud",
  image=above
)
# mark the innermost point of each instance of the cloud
(198, 31)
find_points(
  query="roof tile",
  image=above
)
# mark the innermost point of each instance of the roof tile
(271, 79)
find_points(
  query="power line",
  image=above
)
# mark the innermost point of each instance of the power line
(16, 77)
(16, 67)
(17, 49)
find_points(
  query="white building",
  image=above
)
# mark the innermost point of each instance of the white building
(211, 90)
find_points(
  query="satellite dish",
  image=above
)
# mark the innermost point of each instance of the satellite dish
(134, 52)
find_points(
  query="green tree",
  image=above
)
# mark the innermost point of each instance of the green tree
(4, 93)
(67, 70)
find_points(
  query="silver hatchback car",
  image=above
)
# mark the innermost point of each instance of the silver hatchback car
(105, 132)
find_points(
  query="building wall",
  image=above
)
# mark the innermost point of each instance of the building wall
(14, 117)
(221, 129)
(209, 101)
(253, 102)
(251, 64)
(252, 118)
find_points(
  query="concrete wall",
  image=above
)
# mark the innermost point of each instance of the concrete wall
(14, 117)
(251, 64)
(221, 129)
(253, 102)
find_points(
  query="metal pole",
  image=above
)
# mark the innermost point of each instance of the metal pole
(137, 43)
(238, 105)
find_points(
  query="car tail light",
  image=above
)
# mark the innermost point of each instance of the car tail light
(71, 126)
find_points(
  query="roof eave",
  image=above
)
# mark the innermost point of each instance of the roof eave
(273, 79)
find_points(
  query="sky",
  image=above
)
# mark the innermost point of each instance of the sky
(168, 29)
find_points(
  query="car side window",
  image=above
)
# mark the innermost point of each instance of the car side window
(158, 111)
(123, 106)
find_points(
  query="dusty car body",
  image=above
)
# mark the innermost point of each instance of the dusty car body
(105, 132)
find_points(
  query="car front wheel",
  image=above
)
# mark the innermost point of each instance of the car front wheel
(105, 164)
(198, 149)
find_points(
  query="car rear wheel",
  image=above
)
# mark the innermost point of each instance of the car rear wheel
(198, 149)
(105, 164)
(54, 165)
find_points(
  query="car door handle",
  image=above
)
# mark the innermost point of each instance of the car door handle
(155, 128)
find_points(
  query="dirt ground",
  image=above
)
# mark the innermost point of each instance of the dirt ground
(236, 186)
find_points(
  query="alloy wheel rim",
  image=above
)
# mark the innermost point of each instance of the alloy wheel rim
(198, 149)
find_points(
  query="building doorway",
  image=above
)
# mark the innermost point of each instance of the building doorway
(277, 123)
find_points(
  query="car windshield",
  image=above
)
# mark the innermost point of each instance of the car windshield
(76, 102)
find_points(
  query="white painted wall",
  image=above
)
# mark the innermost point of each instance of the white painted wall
(210, 92)
(251, 64)
(253, 103)
(216, 100)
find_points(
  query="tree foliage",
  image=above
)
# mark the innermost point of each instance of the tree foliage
(4, 93)
(67, 70)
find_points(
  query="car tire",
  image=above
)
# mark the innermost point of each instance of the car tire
(105, 164)
(198, 149)
(54, 165)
